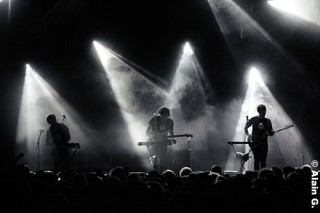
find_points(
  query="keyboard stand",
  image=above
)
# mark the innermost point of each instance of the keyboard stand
(74, 153)
(242, 156)
(75, 146)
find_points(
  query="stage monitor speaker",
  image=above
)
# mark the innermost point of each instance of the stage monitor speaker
(181, 158)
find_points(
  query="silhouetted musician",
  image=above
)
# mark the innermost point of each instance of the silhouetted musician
(57, 137)
(159, 128)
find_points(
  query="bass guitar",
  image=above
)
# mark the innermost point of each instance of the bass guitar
(258, 139)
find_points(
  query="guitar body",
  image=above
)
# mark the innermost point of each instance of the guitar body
(256, 140)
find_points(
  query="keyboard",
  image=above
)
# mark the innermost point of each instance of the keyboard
(69, 146)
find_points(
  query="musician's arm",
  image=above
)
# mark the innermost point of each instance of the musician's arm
(270, 131)
(151, 127)
(149, 131)
(170, 129)
(170, 132)
(249, 136)
(247, 127)
(246, 131)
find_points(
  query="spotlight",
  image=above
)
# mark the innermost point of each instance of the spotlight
(306, 10)
(131, 90)
(187, 49)
(255, 77)
(38, 100)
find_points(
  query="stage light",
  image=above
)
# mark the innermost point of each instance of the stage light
(187, 50)
(254, 78)
(39, 99)
(187, 100)
(9, 7)
(284, 147)
(130, 88)
(237, 28)
(306, 10)
(137, 97)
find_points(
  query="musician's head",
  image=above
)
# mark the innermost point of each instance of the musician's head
(164, 112)
(262, 109)
(51, 119)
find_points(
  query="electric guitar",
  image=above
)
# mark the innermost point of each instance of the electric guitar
(261, 139)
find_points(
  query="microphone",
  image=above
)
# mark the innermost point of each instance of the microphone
(41, 130)
(247, 117)
(64, 116)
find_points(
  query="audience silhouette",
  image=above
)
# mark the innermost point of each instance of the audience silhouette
(121, 190)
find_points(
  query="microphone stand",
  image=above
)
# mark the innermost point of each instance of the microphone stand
(245, 157)
(38, 147)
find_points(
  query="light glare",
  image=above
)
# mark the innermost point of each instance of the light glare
(300, 8)
(187, 49)
(255, 76)
(136, 96)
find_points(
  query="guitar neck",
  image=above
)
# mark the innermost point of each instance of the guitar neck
(283, 128)
(286, 127)
(175, 136)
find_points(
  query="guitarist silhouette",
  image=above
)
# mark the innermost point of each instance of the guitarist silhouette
(261, 129)
(57, 135)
